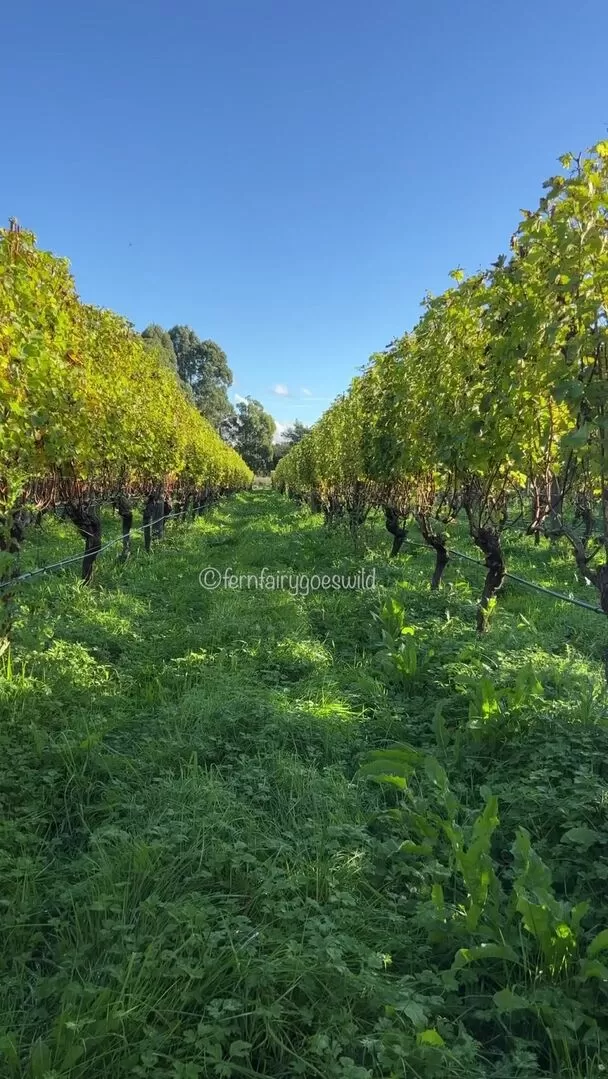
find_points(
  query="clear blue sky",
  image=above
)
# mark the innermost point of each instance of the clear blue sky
(288, 176)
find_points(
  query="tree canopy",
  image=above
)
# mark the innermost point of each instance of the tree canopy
(203, 366)
(156, 337)
(291, 436)
(251, 432)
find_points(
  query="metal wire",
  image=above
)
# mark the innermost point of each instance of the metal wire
(520, 580)
(412, 543)
(79, 557)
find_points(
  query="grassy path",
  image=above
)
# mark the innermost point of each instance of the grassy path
(190, 882)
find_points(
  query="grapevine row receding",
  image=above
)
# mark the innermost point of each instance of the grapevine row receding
(494, 405)
(89, 413)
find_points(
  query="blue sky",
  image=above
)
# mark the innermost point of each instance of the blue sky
(288, 177)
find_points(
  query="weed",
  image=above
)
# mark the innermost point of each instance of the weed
(198, 879)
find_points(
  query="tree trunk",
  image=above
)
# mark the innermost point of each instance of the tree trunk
(154, 511)
(204, 498)
(601, 583)
(436, 540)
(126, 515)
(583, 514)
(88, 522)
(356, 507)
(441, 561)
(167, 511)
(396, 527)
(333, 509)
(552, 526)
(158, 515)
(488, 541)
(147, 522)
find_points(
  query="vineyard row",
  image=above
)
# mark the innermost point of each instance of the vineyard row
(90, 413)
(495, 406)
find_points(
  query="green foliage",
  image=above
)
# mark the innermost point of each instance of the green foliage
(397, 654)
(251, 432)
(497, 402)
(87, 408)
(203, 367)
(204, 870)
(291, 437)
(156, 337)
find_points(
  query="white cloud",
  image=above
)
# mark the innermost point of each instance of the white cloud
(281, 390)
(281, 428)
(305, 392)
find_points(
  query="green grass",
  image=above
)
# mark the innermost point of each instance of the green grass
(198, 879)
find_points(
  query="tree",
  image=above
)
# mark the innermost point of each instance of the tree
(203, 366)
(251, 432)
(278, 452)
(156, 337)
(292, 435)
(296, 433)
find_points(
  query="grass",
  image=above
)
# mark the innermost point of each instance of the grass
(198, 877)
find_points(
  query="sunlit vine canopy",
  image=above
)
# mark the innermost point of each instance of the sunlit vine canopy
(85, 408)
(497, 396)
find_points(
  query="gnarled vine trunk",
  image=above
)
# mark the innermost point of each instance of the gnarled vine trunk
(436, 540)
(357, 507)
(333, 510)
(167, 510)
(488, 541)
(153, 518)
(125, 511)
(395, 525)
(316, 506)
(86, 517)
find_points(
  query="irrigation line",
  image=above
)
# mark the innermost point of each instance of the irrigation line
(79, 557)
(520, 580)
(412, 543)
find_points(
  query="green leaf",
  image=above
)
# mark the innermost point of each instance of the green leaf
(437, 897)
(464, 956)
(430, 1037)
(239, 1048)
(8, 1049)
(40, 1059)
(598, 944)
(507, 1001)
(414, 1011)
(575, 440)
(581, 836)
(410, 847)
(442, 735)
(592, 968)
(436, 773)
